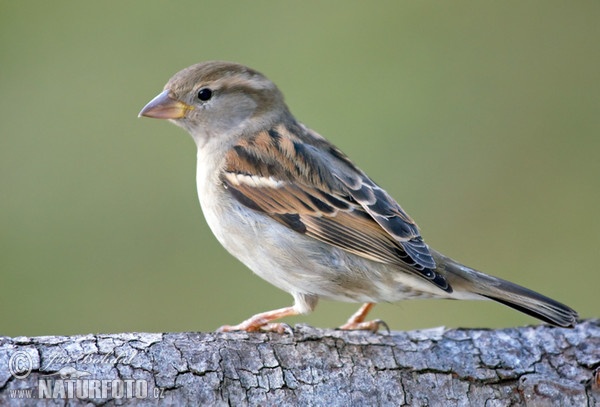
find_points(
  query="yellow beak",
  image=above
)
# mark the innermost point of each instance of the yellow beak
(164, 106)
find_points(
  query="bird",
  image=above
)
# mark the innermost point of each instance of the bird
(295, 210)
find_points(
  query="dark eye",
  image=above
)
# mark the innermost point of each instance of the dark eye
(205, 94)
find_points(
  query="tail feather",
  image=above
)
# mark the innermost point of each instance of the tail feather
(465, 279)
(540, 307)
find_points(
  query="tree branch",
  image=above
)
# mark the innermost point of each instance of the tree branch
(537, 365)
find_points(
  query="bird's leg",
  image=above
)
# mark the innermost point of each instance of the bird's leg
(357, 320)
(262, 322)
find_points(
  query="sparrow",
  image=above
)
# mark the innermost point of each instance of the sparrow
(297, 212)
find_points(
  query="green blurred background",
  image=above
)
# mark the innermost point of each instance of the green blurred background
(481, 118)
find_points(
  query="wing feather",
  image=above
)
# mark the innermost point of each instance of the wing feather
(299, 179)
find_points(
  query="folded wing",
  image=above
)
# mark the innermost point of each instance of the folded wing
(299, 179)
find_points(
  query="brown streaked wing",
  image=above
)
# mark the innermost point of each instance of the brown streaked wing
(285, 176)
(352, 230)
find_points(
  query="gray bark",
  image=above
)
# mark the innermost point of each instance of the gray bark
(535, 366)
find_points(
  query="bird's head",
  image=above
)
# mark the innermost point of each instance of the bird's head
(216, 99)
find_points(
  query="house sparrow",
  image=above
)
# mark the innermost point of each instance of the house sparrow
(296, 211)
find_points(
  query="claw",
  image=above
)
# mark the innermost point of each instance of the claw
(382, 323)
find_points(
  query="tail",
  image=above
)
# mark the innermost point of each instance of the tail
(467, 280)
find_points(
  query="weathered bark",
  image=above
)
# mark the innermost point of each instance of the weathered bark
(536, 366)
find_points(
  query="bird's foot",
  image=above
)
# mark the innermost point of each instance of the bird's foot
(262, 322)
(372, 326)
(357, 321)
(276, 327)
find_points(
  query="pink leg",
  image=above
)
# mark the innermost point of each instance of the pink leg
(357, 320)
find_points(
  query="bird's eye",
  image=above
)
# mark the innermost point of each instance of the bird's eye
(205, 94)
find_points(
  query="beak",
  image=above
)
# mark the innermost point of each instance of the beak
(165, 106)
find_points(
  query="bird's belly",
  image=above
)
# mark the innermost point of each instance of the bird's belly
(297, 263)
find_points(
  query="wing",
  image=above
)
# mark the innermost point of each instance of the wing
(296, 177)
